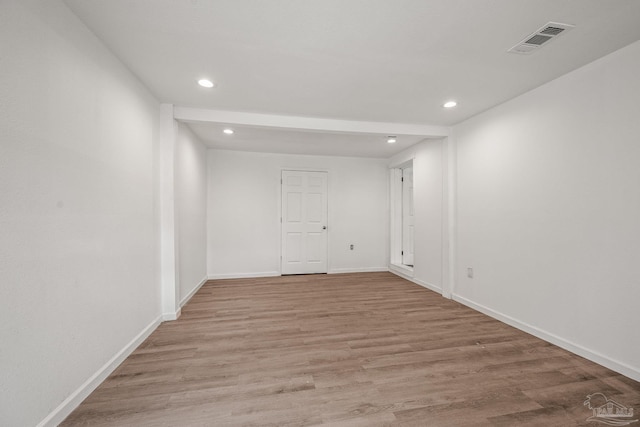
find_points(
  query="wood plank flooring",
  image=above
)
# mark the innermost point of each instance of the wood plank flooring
(344, 350)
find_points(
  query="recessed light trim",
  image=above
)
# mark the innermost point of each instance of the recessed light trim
(392, 139)
(206, 83)
(228, 131)
(450, 104)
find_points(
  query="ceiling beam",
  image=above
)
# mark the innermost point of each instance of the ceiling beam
(188, 114)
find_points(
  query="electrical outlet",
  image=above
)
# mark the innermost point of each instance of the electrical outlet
(351, 247)
(470, 272)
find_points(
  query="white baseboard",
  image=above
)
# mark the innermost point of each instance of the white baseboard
(70, 403)
(277, 273)
(166, 317)
(243, 275)
(193, 292)
(404, 275)
(430, 286)
(357, 270)
(401, 270)
(614, 365)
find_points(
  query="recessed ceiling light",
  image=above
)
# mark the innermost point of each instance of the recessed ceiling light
(228, 131)
(450, 104)
(391, 139)
(206, 83)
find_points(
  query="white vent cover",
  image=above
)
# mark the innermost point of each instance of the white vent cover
(541, 37)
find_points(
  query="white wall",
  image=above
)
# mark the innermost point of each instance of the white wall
(244, 212)
(429, 167)
(78, 223)
(549, 210)
(191, 207)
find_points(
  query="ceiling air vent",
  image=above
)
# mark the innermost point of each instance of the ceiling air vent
(543, 36)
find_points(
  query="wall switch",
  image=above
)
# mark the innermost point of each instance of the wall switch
(470, 272)
(351, 247)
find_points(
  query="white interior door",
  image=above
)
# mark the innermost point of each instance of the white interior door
(304, 222)
(407, 216)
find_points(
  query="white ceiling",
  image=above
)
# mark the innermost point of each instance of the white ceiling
(366, 60)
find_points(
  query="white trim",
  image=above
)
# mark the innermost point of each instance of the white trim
(290, 169)
(427, 285)
(70, 403)
(430, 286)
(166, 317)
(594, 356)
(400, 160)
(401, 269)
(358, 270)
(243, 275)
(193, 292)
(395, 216)
(396, 202)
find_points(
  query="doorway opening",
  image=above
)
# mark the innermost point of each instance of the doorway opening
(402, 216)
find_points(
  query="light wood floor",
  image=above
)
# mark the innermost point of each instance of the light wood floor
(344, 350)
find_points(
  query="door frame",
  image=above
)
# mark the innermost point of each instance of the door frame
(448, 225)
(407, 192)
(395, 217)
(279, 219)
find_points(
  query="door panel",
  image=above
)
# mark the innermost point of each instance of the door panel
(315, 248)
(304, 222)
(294, 207)
(314, 207)
(294, 181)
(293, 242)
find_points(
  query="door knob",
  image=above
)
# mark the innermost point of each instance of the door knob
(324, 227)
